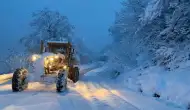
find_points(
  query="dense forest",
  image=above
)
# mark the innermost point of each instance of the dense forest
(152, 30)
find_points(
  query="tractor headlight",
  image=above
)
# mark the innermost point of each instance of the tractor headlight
(35, 57)
(51, 59)
(56, 56)
(50, 66)
(65, 67)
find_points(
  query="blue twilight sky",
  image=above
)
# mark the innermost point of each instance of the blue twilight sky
(91, 18)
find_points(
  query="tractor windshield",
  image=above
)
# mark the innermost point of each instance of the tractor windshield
(61, 48)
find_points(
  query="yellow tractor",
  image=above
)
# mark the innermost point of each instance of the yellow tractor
(61, 64)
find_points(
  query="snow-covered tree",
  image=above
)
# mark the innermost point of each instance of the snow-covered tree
(166, 25)
(146, 29)
(47, 25)
(124, 31)
(127, 20)
(84, 53)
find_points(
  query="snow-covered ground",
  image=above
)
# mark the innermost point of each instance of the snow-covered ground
(92, 92)
(172, 86)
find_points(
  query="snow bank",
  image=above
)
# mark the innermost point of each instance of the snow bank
(96, 71)
(172, 86)
(87, 66)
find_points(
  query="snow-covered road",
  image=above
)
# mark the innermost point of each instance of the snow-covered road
(78, 97)
(90, 93)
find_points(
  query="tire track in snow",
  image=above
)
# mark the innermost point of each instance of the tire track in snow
(38, 101)
(15, 99)
(92, 101)
(100, 105)
(117, 94)
(71, 100)
(9, 99)
(102, 98)
(123, 104)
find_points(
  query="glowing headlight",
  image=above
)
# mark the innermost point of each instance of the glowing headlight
(65, 67)
(51, 59)
(56, 57)
(35, 57)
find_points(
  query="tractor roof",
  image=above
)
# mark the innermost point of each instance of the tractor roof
(58, 43)
(65, 41)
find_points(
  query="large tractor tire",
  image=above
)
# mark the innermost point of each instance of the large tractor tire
(61, 82)
(20, 80)
(74, 74)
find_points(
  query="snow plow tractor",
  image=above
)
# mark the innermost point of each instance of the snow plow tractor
(62, 65)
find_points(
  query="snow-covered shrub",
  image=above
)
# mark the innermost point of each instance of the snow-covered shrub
(171, 59)
(164, 56)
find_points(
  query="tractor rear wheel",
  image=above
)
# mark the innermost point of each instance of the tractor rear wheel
(74, 74)
(19, 80)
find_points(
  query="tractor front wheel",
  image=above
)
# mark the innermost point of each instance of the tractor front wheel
(19, 80)
(61, 83)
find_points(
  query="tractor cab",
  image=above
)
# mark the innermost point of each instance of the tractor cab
(55, 47)
(63, 51)
(61, 47)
